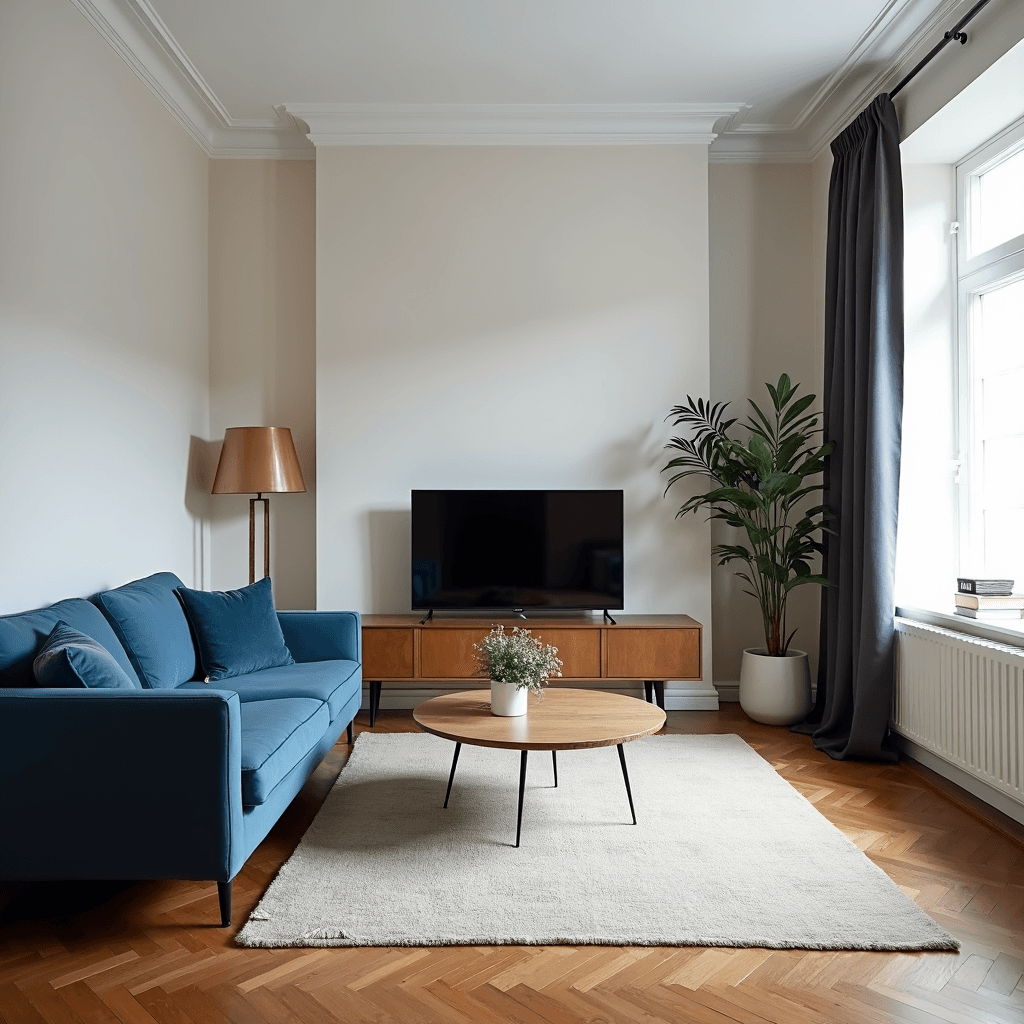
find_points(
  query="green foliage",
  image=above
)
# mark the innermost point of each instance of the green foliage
(517, 657)
(759, 487)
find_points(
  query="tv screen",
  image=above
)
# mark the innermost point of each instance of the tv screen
(517, 549)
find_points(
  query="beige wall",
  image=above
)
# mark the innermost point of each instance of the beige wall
(103, 319)
(762, 324)
(506, 317)
(262, 356)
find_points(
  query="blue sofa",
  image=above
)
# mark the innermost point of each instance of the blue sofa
(174, 778)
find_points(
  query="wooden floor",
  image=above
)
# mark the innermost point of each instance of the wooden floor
(145, 952)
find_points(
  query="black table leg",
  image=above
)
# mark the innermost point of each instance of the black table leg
(659, 693)
(625, 776)
(374, 703)
(451, 778)
(522, 790)
(649, 691)
(554, 765)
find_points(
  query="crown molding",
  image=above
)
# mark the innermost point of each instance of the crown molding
(500, 124)
(139, 50)
(139, 36)
(851, 96)
(899, 30)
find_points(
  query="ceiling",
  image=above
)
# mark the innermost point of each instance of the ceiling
(772, 81)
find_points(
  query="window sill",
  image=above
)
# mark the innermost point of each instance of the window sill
(1009, 631)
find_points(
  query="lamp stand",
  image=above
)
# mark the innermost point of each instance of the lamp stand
(252, 536)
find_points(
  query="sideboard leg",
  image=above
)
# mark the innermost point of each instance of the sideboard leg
(554, 765)
(451, 778)
(224, 898)
(522, 790)
(374, 702)
(625, 776)
(649, 691)
(659, 693)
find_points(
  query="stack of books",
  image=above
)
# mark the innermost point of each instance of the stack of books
(988, 599)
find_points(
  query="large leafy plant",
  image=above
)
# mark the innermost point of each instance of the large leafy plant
(761, 486)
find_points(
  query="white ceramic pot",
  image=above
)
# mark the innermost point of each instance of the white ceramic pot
(507, 699)
(775, 690)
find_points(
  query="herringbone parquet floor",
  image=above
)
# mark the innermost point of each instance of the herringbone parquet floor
(149, 951)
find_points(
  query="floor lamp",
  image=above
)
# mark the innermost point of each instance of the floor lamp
(260, 460)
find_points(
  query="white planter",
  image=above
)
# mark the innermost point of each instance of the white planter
(775, 691)
(507, 699)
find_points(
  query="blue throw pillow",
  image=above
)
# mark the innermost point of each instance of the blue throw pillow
(72, 659)
(237, 630)
(148, 619)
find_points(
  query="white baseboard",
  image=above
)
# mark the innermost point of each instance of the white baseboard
(728, 690)
(974, 786)
(679, 695)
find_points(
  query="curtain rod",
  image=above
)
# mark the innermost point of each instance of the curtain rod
(954, 33)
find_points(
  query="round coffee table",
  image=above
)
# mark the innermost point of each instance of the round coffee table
(563, 719)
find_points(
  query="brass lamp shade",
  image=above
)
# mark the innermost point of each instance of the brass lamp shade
(257, 460)
(260, 459)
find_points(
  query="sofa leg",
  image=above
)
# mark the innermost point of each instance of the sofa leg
(224, 895)
(349, 733)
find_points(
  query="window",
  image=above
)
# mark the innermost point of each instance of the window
(990, 313)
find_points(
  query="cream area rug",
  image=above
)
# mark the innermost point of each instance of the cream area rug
(725, 853)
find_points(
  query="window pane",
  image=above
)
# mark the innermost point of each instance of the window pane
(1002, 404)
(1004, 556)
(999, 343)
(998, 208)
(1004, 472)
(997, 477)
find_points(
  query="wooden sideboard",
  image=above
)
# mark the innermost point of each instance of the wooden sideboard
(637, 648)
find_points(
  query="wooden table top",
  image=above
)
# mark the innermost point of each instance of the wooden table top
(563, 719)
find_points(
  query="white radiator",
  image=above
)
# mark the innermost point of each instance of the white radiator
(962, 699)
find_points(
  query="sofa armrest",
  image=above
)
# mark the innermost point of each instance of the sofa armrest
(120, 784)
(323, 636)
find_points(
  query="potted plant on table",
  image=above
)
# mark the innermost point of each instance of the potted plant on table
(762, 486)
(516, 663)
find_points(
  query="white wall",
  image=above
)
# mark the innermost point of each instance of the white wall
(926, 566)
(262, 357)
(103, 319)
(506, 317)
(762, 324)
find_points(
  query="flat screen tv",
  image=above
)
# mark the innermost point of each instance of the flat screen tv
(517, 549)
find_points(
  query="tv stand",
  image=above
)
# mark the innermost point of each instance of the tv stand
(427, 654)
(426, 618)
(608, 618)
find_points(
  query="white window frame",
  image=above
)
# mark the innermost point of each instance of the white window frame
(977, 273)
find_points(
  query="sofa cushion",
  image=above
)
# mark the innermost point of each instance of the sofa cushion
(22, 635)
(329, 681)
(69, 658)
(276, 735)
(148, 619)
(237, 630)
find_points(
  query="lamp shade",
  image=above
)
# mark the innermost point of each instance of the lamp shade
(258, 460)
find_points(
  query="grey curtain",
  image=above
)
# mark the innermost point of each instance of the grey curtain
(863, 409)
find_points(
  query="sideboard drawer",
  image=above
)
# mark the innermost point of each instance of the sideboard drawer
(653, 653)
(387, 654)
(578, 649)
(449, 654)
